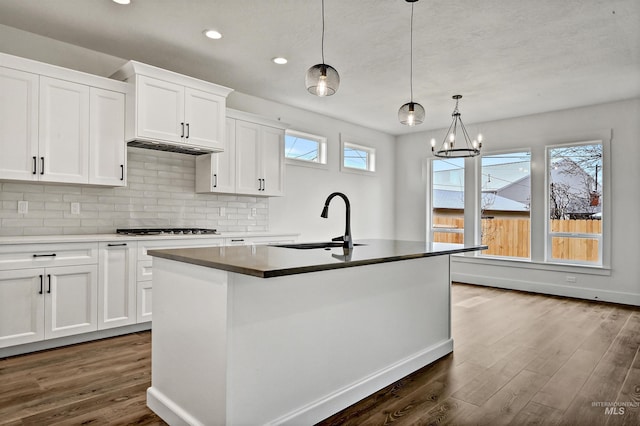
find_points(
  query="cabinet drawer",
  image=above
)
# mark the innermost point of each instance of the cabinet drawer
(143, 246)
(21, 256)
(145, 270)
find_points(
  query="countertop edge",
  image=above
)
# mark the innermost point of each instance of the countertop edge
(295, 270)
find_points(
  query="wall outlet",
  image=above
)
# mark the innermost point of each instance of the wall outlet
(75, 208)
(570, 279)
(223, 211)
(254, 212)
(23, 207)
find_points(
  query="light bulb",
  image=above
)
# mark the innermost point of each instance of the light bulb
(446, 146)
(475, 144)
(321, 89)
(480, 137)
(433, 143)
(411, 118)
(452, 137)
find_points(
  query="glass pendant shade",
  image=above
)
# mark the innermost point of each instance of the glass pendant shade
(411, 114)
(322, 80)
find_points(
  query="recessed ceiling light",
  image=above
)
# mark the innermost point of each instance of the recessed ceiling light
(280, 60)
(122, 1)
(213, 34)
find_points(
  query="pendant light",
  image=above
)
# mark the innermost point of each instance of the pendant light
(322, 79)
(449, 147)
(411, 113)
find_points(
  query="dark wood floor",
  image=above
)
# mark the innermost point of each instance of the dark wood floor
(519, 359)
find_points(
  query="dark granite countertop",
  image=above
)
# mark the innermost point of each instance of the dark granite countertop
(273, 261)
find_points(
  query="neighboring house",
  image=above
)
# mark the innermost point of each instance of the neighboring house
(506, 190)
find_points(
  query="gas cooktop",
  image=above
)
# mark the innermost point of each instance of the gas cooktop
(166, 231)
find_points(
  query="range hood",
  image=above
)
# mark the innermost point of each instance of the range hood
(167, 111)
(161, 146)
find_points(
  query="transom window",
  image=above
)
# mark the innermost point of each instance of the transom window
(305, 148)
(358, 157)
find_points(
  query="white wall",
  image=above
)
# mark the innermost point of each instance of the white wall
(620, 283)
(372, 205)
(372, 199)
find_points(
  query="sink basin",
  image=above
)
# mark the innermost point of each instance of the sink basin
(308, 246)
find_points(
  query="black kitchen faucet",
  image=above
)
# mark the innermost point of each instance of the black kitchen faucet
(348, 241)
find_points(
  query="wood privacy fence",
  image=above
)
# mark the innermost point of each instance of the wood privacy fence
(511, 237)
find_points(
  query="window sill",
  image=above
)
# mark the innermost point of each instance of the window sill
(310, 164)
(531, 264)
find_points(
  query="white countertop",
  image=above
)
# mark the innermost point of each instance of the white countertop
(80, 238)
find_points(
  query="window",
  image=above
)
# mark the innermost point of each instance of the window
(447, 200)
(305, 149)
(506, 204)
(574, 191)
(358, 157)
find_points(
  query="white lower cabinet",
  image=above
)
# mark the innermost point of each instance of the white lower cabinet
(21, 306)
(117, 284)
(45, 303)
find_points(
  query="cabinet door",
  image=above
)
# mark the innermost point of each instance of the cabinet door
(145, 293)
(223, 163)
(204, 115)
(64, 131)
(248, 160)
(116, 285)
(70, 300)
(21, 306)
(18, 124)
(272, 154)
(160, 110)
(107, 148)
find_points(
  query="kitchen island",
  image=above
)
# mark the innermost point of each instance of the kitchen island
(281, 335)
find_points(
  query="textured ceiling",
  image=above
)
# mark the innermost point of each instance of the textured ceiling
(506, 57)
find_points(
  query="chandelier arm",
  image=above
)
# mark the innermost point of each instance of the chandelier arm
(466, 135)
(446, 135)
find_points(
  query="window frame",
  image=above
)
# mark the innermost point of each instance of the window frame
(371, 158)
(431, 229)
(549, 234)
(479, 219)
(322, 162)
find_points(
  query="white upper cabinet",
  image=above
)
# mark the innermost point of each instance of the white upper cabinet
(217, 172)
(259, 159)
(18, 124)
(59, 125)
(63, 131)
(172, 111)
(107, 150)
(160, 110)
(253, 161)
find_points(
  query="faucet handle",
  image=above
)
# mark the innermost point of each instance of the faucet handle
(339, 238)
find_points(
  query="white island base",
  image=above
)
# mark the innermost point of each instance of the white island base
(234, 349)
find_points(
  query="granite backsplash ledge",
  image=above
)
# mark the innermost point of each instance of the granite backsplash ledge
(159, 193)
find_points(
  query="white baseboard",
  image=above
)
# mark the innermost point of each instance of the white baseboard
(548, 288)
(72, 340)
(169, 411)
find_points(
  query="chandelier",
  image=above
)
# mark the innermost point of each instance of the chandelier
(454, 145)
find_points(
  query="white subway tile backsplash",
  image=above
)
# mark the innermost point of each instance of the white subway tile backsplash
(160, 193)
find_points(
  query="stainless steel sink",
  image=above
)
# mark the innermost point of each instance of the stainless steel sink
(308, 246)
